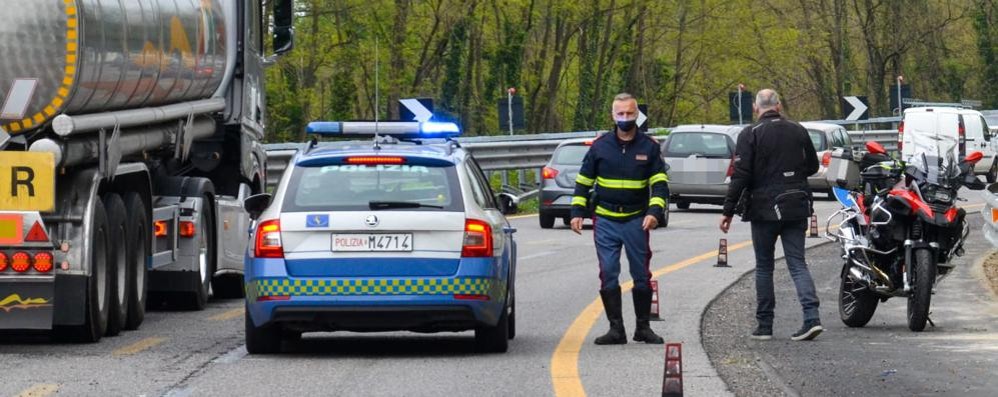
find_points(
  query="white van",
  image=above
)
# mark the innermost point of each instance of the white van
(965, 126)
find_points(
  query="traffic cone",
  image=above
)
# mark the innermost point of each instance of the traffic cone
(672, 380)
(722, 254)
(814, 226)
(654, 316)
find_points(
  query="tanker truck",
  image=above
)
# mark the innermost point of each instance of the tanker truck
(130, 133)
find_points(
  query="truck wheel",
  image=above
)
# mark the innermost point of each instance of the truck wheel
(98, 294)
(138, 241)
(227, 286)
(119, 231)
(262, 340)
(205, 235)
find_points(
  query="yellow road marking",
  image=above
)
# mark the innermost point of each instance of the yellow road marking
(565, 360)
(138, 346)
(39, 390)
(229, 315)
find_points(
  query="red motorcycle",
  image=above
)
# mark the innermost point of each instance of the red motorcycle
(900, 234)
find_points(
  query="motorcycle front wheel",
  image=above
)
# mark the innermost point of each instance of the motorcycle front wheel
(923, 276)
(856, 302)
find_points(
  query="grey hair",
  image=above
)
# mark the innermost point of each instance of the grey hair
(767, 99)
(623, 96)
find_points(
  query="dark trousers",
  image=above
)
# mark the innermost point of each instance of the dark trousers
(611, 236)
(764, 234)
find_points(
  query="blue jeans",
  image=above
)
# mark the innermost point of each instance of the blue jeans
(764, 234)
(610, 237)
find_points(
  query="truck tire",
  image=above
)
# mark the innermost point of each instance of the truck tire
(227, 286)
(262, 340)
(119, 230)
(139, 242)
(98, 296)
(206, 243)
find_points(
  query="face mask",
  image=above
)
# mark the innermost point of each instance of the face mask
(626, 125)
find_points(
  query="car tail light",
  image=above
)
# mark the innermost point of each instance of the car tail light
(549, 173)
(268, 240)
(826, 159)
(20, 262)
(186, 229)
(43, 262)
(159, 228)
(900, 135)
(374, 160)
(477, 239)
(3, 261)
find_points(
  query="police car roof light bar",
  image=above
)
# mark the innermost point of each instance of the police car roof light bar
(396, 129)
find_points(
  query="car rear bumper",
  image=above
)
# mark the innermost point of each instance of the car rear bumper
(698, 193)
(474, 296)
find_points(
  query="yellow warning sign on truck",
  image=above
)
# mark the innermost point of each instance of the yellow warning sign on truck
(27, 181)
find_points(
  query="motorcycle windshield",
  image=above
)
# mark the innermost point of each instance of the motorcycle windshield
(934, 160)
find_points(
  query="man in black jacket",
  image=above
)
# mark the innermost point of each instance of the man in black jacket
(773, 159)
(626, 169)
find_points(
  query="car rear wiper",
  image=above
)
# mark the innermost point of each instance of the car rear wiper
(384, 205)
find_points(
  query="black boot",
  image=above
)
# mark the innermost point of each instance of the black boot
(611, 302)
(642, 311)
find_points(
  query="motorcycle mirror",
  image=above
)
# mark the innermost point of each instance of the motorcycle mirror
(875, 148)
(974, 157)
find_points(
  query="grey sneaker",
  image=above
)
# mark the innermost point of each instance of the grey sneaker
(809, 331)
(762, 333)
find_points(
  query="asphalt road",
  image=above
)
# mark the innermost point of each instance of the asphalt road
(959, 356)
(202, 353)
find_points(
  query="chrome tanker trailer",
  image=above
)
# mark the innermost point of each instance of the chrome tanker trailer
(129, 134)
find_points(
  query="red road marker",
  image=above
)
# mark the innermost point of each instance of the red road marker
(722, 254)
(654, 302)
(672, 380)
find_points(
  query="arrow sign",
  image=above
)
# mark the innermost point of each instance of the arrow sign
(855, 108)
(419, 112)
(642, 117)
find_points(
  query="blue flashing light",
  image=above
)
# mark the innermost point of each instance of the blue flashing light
(398, 129)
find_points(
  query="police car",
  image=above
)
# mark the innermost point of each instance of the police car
(399, 234)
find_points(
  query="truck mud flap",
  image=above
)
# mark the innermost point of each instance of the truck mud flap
(27, 305)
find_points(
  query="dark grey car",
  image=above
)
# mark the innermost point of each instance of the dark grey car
(558, 183)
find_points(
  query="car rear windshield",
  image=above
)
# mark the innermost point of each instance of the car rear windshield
(704, 144)
(354, 187)
(570, 154)
(818, 139)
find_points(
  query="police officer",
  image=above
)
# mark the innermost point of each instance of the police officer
(773, 159)
(627, 171)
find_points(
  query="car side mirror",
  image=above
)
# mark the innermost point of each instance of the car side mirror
(256, 204)
(284, 31)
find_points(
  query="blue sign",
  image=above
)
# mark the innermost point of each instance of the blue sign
(317, 220)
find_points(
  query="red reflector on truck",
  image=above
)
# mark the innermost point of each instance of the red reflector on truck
(37, 234)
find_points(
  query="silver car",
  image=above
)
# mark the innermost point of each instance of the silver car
(826, 138)
(700, 163)
(558, 183)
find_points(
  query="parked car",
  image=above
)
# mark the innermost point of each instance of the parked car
(826, 138)
(558, 181)
(700, 163)
(967, 127)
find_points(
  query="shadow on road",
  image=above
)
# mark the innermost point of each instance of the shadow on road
(333, 345)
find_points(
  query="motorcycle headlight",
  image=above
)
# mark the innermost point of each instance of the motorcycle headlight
(940, 195)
